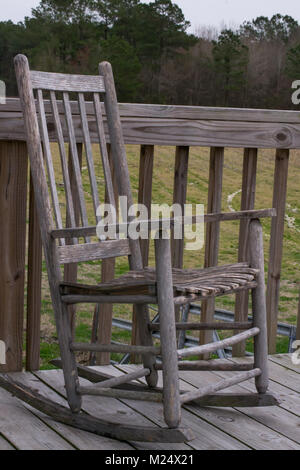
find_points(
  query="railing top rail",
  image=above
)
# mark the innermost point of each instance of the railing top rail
(178, 125)
(185, 112)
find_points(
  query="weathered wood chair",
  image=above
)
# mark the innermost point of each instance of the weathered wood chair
(139, 286)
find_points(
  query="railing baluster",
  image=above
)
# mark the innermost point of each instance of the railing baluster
(212, 231)
(247, 202)
(276, 244)
(179, 197)
(13, 196)
(144, 197)
(102, 325)
(70, 270)
(34, 287)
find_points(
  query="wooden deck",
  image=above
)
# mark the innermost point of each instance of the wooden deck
(22, 427)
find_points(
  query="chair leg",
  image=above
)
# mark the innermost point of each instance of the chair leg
(259, 306)
(68, 358)
(171, 395)
(143, 320)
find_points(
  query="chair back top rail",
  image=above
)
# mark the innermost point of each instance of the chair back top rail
(66, 82)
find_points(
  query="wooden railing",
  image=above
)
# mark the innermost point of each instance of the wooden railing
(147, 126)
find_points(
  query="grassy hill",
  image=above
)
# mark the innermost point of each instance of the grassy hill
(196, 193)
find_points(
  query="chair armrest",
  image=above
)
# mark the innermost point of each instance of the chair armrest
(160, 224)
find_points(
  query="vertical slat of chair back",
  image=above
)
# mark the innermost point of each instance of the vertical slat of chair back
(64, 162)
(103, 150)
(67, 84)
(75, 160)
(64, 126)
(49, 162)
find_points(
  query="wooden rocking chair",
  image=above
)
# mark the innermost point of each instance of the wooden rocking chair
(139, 286)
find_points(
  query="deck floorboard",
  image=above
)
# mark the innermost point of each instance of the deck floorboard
(22, 427)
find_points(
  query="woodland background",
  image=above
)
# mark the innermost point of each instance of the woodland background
(155, 58)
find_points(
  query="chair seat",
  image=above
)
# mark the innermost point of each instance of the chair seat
(187, 283)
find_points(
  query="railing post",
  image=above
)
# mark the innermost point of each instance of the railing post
(13, 199)
(70, 270)
(276, 244)
(34, 286)
(247, 202)
(104, 312)
(144, 197)
(214, 204)
(179, 197)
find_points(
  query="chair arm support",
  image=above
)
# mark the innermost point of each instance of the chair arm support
(160, 224)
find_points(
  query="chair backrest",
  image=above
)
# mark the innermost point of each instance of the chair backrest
(38, 118)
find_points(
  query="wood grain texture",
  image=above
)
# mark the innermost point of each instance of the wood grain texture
(71, 269)
(276, 244)
(214, 204)
(89, 153)
(170, 126)
(93, 251)
(64, 161)
(34, 287)
(48, 158)
(209, 365)
(225, 383)
(179, 197)
(144, 197)
(119, 160)
(184, 112)
(224, 343)
(81, 440)
(67, 82)
(259, 312)
(43, 206)
(89, 423)
(75, 161)
(157, 225)
(116, 381)
(117, 348)
(171, 399)
(103, 313)
(24, 430)
(247, 202)
(207, 326)
(122, 394)
(247, 424)
(13, 196)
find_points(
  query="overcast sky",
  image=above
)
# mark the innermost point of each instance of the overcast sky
(198, 12)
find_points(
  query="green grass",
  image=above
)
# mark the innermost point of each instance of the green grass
(196, 193)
